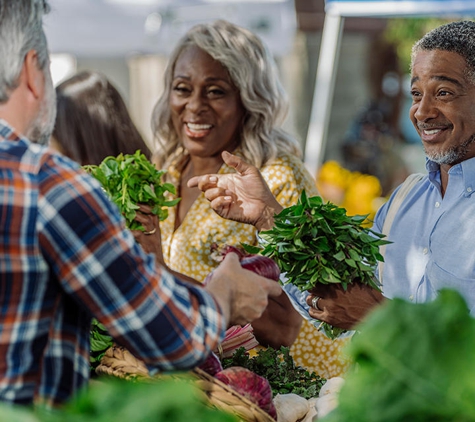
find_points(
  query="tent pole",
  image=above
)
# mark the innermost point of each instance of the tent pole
(323, 92)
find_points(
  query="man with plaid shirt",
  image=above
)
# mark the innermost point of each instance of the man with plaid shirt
(66, 255)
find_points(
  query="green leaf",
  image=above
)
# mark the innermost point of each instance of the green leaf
(130, 180)
(414, 363)
(278, 367)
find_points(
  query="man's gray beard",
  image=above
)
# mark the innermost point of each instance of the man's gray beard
(41, 129)
(453, 155)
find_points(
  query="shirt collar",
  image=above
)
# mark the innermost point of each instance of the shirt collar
(466, 169)
(7, 133)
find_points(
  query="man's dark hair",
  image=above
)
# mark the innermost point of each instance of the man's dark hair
(456, 37)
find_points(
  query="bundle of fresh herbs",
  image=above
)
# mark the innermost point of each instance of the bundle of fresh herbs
(317, 242)
(131, 179)
(279, 368)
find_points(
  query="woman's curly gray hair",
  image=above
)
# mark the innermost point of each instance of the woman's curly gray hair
(456, 37)
(254, 73)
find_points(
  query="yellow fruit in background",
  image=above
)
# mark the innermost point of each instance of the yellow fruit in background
(359, 194)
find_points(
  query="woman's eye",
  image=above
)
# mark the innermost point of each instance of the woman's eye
(181, 89)
(216, 92)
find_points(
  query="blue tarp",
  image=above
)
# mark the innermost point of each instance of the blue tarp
(381, 8)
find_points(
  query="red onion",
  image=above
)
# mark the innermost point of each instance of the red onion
(250, 385)
(212, 365)
(260, 264)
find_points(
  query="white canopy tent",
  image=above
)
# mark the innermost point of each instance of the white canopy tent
(335, 12)
(115, 28)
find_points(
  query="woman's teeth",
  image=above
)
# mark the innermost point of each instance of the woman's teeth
(196, 127)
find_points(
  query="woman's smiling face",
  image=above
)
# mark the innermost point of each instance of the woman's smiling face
(443, 106)
(206, 108)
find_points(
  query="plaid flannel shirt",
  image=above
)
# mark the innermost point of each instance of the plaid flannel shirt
(66, 256)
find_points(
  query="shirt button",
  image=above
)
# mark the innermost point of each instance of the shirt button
(425, 250)
(411, 297)
(469, 189)
(437, 204)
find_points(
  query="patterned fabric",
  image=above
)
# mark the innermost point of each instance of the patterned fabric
(65, 255)
(330, 360)
(187, 250)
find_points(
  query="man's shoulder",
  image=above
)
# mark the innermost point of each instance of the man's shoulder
(32, 158)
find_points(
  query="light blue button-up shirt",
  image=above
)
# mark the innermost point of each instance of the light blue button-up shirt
(433, 238)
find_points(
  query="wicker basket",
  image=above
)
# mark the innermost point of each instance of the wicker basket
(119, 362)
(224, 397)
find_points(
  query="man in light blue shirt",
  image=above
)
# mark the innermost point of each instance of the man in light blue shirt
(434, 227)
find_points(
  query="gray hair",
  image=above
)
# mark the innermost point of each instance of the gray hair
(456, 37)
(254, 73)
(21, 30)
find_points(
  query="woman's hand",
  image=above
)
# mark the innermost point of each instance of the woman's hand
(150, 239)
(242, 196)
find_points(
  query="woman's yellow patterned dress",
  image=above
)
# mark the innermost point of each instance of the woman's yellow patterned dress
(187, 249)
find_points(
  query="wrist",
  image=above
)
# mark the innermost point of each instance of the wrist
(266, 218)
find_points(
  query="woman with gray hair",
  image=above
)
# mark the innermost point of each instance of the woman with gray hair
(222, 93)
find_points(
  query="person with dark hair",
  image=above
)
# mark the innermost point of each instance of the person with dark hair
(92, 120)
(66, 255)
(429, 219)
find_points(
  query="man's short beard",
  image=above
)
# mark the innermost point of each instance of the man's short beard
(41, 129)
(453, 155)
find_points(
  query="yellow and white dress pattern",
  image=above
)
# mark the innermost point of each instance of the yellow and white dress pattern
(187, 249)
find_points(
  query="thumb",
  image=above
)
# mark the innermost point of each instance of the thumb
(274, 288)
(232, 258)
(237, 163)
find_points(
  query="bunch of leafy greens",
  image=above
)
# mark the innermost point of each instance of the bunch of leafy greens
(113, 399)
(278, 367)
(130, 180)
(412, 362)
(317, 242)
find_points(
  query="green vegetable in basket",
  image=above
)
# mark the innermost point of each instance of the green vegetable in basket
(412, 362)
(130, 180)
(317, 242)
(100, 342)
(279, 368)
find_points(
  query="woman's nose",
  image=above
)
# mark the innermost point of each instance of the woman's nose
(197, 102)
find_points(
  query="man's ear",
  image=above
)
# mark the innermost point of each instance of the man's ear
(32, 74)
